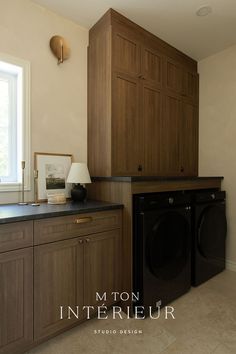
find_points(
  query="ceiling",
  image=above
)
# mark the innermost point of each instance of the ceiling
(174, 21)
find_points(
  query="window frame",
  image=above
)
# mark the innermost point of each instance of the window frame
(23, 125)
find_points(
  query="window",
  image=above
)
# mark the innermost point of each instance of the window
(14, 122)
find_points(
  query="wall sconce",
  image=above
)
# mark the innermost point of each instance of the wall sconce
(60, 48)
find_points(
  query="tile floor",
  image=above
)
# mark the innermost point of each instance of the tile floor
(205, 323)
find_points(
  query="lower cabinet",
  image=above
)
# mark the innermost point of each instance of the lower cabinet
(16, 300)
(69, 273)
(58, 281)
(102, 267)
(61, 265)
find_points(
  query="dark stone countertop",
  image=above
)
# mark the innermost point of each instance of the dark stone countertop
(153, 178)
(14, 212)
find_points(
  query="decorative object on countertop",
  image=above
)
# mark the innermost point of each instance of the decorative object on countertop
(78, 175)
(35, 203)
(52, 170)
(23, 184)
(60, 48)
(56, 198)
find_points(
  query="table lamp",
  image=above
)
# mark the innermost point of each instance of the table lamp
(78, 175)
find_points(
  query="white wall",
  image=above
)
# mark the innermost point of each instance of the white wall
(218, 130)
(58, 93)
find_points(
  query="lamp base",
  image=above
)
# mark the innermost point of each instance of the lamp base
(78, 193)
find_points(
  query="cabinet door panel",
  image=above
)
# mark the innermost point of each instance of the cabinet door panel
(173, 76)
(151, 115)
(126, 128)
(56, 284)
(126, 54)
(170, 129)
(190, 85)
(152, 66)
(16, 300)
(102, 266)
(189, 139)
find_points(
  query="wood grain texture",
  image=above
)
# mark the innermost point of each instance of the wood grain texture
(152, 66)
(173, 76)
(16, 235)
(166, 186)
(56, 270)
(102, 267)
(190, 85)
(189, 139)
(151, 100)
(170, 138)
(116, 18)
(119, 192)
(126, 51)
(126, 64)
(65, 227)
(126, 128)
(16, 300)
(99, 103)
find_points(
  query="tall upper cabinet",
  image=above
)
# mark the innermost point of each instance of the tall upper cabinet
(142, 103)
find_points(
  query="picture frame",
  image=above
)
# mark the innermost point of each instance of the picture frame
(52, 171)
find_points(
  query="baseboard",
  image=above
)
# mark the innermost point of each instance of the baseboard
(230, 265)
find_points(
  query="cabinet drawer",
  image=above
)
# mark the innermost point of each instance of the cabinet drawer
(61, 228)
(16, 235)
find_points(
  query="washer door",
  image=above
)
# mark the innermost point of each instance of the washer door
(168, 245)
(212, 232)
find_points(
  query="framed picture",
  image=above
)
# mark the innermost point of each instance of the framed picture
(52, 170)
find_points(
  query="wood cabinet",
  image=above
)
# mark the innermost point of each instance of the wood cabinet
(189, 138)
(16, 299)
(180, 80)
(126, 127)
(58, 281)
(179, 137)
(134, 122)
(102, 266)
(70, 272)
(64, 261)
(151, 99)
(126, 49)
(170, 137)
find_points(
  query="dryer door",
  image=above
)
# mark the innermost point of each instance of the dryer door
(212, 231)
(168, 244)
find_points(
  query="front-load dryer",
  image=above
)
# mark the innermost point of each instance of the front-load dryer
(209, 235)
(161, 248)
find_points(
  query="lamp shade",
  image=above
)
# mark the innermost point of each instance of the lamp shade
(78, 173)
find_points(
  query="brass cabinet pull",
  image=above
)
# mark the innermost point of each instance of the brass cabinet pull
(81, 241)
(84, 220)
(87, 240)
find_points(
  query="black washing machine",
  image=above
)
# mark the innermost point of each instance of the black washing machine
(209, 235)
(161, 247)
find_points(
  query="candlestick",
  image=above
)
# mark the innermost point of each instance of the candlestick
(23, 184)
(35, 203)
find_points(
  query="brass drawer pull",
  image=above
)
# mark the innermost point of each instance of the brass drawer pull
(87, 240)
(83, 220)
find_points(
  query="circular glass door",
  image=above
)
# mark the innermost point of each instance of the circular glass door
(212, 232)
(168, 245)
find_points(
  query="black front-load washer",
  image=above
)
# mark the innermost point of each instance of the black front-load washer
(161, 248)
(209, 235)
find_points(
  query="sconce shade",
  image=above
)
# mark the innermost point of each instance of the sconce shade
(60, 48)
(78, 173)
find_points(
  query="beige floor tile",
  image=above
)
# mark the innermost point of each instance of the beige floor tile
(222, 349)
(205, 323)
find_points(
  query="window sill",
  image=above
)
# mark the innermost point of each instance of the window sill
(12, 187)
